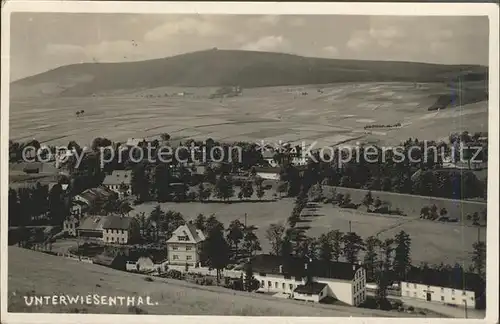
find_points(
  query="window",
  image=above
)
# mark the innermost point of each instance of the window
(275, 285)
(283, 286)
(415, 286)
(123, 239)
(407, 285)
(291, 286)
(188, 257)
(463, 293)
(442, 298)
(188, 248)
(453, 298)
(112, 239)
(453, 291)
(123, 231)
(175, 257)
(175, 247)
(472, 298)
(269, 283)
(262, 283)
(442, 290)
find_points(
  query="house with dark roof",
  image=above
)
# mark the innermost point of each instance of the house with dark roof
(452, 286)
(312, 291)
(108, 229)
(94, 196)
(119, 181)
(344, 281)
(185, 245)
(116, 229)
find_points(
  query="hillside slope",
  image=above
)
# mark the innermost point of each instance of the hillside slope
(231, 67)
(35, 273)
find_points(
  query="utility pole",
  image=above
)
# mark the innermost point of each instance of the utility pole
(245, 220)
(350, 227)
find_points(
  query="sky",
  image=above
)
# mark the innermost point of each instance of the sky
(43, 41)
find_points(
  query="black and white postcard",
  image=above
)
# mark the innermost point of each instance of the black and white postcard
(292, 162)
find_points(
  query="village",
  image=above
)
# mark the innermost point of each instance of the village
(94, 214)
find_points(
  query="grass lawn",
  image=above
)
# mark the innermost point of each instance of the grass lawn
(432, 242)
(34, 273)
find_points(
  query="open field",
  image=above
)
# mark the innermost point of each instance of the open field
(412, 204)
(55, 275)
(336, 114)
(432, 242)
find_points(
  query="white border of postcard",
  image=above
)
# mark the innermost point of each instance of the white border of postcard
(396, 9)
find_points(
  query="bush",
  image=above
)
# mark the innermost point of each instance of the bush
(411, 309)
(149, 279)
(174, 274)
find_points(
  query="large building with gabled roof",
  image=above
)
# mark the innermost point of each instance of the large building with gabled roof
(184, 246)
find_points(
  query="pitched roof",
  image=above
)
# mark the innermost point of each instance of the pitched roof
(194, 235)
(294, 266)
(310, 288)
(454, 278)
(92, 223)
(117, 222)
(118, 177)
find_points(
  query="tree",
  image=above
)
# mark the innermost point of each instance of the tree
(371, 257)
(215, 250)
(161, 182)
(224, 188)
(246, 189)
(368, 200)
(377, 203)
(325, 248)
(274, 234)
(282, 188)
(235, 234)
(387, 250)
(140, 182)
(260, 191)
(213, 223)
(156, 217)
(200, 222)
(251, 243)
(479, 258)
(402, 260)
(203, 193)
(443, 212)
(336, 238)
(353, 244)
(250, 283)
(57, 208)
(165, 137)
(425, 212)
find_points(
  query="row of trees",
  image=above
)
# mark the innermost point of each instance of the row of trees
(37, 205)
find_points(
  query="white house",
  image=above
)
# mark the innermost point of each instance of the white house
(444, 287)
(120, 182)
(339, 280)
(185, 245)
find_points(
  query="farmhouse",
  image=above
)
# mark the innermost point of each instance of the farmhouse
(184, 246)
(78, 209)
(339, 280)
(149, 262)
(119, 181)
(447, 287)
(93, 196)
(108, 229)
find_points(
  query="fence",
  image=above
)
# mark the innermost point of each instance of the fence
(75, 257)
(206, 271)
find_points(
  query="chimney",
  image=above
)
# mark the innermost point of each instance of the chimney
(281, 268)
(354, 267)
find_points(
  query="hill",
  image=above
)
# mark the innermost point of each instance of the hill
(215, 68)
(35, 273)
